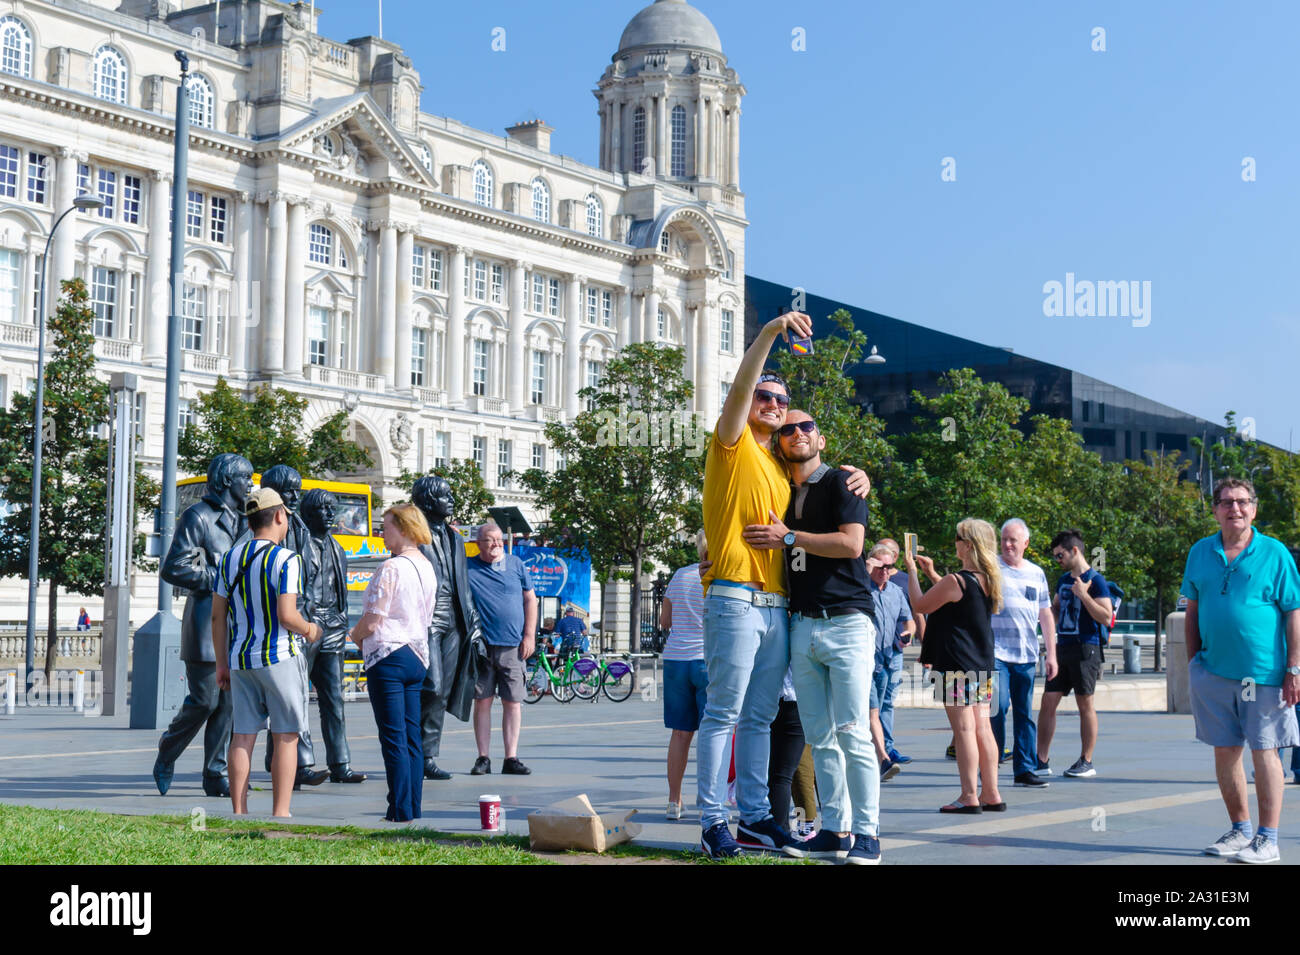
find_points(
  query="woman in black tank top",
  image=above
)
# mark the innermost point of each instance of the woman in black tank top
(959, 648)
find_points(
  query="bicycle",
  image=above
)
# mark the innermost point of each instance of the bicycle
(563, 685)
(616, 679)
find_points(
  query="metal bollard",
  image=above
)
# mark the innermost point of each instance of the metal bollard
(1132, 654)
(11, 682)
(79, 691)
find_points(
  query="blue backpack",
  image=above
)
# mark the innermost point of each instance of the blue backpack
(1116, 598)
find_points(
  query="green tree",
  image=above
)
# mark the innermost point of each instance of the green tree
(468, 489)
(633, 471)
(267, 429)
(74, 467)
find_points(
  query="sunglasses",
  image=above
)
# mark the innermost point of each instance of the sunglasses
(762, 394)
(807, 427)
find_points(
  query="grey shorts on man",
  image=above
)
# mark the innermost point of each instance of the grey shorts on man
(276, 694)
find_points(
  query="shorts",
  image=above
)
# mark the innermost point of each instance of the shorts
(685, 683)
(1078, 669)
(275, 694)
(879, 685)
(959, 688)
(1237, 712)
(502, 676)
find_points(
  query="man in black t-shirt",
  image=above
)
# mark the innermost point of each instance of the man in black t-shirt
(832, 642)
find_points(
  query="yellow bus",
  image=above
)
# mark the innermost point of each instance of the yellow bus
(352, 516)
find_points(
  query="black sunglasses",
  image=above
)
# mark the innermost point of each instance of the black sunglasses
(807, 427)
(762, 394)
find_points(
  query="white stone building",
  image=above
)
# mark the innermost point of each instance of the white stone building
(452, 289)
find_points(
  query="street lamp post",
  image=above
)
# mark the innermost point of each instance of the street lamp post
(38, 434)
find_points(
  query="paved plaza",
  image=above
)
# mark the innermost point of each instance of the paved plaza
(1154, 799)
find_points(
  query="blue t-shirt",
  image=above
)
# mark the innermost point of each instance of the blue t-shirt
(498, 591)
(570, 630)
(1241, 607)
(1073, 622)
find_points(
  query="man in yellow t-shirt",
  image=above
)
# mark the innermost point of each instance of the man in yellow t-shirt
(746, 626)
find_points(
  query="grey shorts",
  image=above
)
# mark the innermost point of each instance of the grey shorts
(503, 676)
(1233, 713)
(277, 694)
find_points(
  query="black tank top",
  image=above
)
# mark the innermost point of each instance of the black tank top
(959, 635)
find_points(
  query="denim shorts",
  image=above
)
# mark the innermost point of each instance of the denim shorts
(685, 682)
(1235, 713)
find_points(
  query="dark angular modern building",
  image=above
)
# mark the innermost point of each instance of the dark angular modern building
(1114, 422)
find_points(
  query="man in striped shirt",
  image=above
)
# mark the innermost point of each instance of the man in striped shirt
(254, 619)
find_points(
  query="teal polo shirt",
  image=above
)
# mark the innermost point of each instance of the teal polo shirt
(1241, 606)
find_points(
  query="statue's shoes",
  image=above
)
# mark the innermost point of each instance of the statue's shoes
(347, 775)
(162, 775)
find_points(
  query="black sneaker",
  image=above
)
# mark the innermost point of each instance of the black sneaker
(865, 851)
(1044, 767)
(824, 845)
(716, 842)
(1081, 767)
(482, 766)
(764, 834)
(1031, 781)
(512, 767)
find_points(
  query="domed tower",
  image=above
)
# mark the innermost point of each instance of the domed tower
(669, 104)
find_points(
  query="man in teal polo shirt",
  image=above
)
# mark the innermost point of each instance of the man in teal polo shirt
(1243, 647)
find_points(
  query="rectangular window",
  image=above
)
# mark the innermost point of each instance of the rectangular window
(480, 281)
(607, 308)
(593, 305)
(537, 393)
(318, 335)
(419, 355)
(4, 392)
(435, 269)
(539, 293)
(498, 283)
(131, 199)
(725, 331)
(194, 310)
(219, 321)
(417, 266)
(441, 449)
(503, 463)
(10, 285)
(320, 245)
(726, 390)
(593, 381)
(37, 262)
(38, 169)
(133, 306)
(194, 215)
(439, 350)
(539, 457)
(185, 415)
(217, 224)
(8, 171)
(731, 265)
(137, 418)
(480, 366)
(345, 336)
(107, 192)
(662, 324)
(103, 299)
(83, 179)
(480, 455)
(467, 268)
(553, 296)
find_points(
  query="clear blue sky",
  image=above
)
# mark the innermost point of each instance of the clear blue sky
(1116, 165)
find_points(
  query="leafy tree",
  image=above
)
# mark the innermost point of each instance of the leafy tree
(267, 429)
(467, 487)
(1226, 454)
(633, 469)
(74, 467)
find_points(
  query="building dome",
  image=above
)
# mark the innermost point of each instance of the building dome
(670, 23)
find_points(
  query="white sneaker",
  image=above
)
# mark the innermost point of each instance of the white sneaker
(674, 810)
(1259, 850)
(1228, 844)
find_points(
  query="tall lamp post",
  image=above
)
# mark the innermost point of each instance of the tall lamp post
(84, 202)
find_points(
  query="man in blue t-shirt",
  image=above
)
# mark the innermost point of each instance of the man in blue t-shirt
(571, 633)
(1082, 607)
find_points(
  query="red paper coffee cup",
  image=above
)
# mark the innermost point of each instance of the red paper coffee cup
(489, 813)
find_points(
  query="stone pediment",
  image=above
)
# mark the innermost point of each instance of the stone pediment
(346, 134)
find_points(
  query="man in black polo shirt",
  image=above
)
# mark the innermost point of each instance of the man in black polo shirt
(832, 642)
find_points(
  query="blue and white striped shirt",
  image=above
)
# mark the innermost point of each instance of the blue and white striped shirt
(1015, 626)
(252, 576)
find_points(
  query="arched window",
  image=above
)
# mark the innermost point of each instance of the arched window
(541, 201)
(15, 47)
(595, 217)
(679, 141)
(426, 157)
(482, 183)
(638, 138)
(665, 242)
(110, 75)
(201, 101)
(320, 244)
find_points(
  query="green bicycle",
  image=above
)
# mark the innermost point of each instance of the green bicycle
(563, 682)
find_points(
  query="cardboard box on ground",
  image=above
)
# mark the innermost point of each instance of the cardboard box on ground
(574, 824)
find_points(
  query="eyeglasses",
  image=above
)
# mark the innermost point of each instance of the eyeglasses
(807, 427)
(1227, 576)
(1242, 502)
(762, 394)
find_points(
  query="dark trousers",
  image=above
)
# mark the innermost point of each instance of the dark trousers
(205, 702)
(394, 688)
(444, 657)
(787, 749)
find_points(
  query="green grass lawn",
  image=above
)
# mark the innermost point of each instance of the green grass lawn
(75, 837)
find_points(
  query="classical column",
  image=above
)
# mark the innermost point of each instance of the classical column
(62, 264)
(273, 286)
(690, 358)
(156, 299)
(706, 361)
(616, 137)
(624, 305)
(573, 345)
(702, 170)
(402, 353)
(455, 279)
(733, 175)
(662, 164)
(652, 297)
(517, 364)
(238, 317)
(386, 354)
(295, 277)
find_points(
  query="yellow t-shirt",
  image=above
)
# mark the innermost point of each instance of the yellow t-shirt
(741, 484)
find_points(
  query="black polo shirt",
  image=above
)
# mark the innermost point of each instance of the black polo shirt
(820, 506)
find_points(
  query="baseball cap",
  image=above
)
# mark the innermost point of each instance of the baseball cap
(262, 499)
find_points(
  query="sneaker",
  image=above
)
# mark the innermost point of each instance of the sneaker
(513, 767)
(674, 810)
(889, 769)
(764, 834)
(716, 843)
(1044, 767)
(951, 752)
(1228, 844)
(1031, 781)
(896, 757)
(804, 831)
(482, 766)
(824, 845)
(1005, 757)
(1081, 767)
(1259, 850)
(865, 851)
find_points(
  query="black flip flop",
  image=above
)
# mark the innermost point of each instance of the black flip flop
(993, 806)
(963, 810)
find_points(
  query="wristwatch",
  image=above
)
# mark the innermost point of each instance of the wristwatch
(1294, 671)
(788, 539)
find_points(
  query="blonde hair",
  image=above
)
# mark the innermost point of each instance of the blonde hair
(410, 521)
(702, 545)
(979, 535)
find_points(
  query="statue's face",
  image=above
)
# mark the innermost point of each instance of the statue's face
(321, 518)
(292, 497)
(241, 483)
(443, 503)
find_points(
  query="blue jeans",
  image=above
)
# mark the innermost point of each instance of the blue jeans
(1016, 689)
(831, 663)
(393, 685)
(894, 666)
(747, 651)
